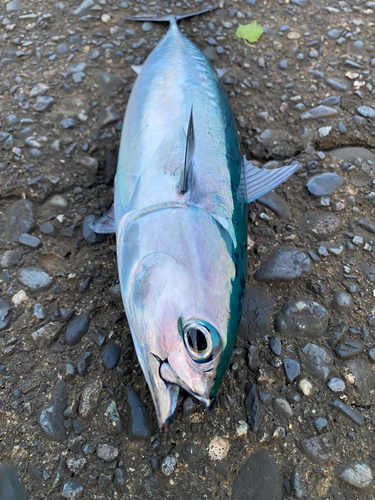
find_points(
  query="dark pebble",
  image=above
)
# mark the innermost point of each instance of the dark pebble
(139, 421)
(316, 361)
(83, 362)
(324, 184)
(29, 241)
(252, 408)
(275, 345)
(320, 424)
(4, 314)
(342, 301)
(348, 412)
(119, 482)
(51, 419)
(11, 487)
(48, 229)
(348, 348)
(318, 448)
(73, 489)
(253, 357)
(77, 328)
(111, 355)
(302, 318)
(285, 264)
(292, 369)
(275, 203)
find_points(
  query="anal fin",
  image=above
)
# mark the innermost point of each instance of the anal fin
(256, 182)
(106, 223)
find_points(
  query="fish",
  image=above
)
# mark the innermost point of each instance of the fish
(181, 192)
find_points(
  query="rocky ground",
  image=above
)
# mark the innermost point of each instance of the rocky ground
(295, 413)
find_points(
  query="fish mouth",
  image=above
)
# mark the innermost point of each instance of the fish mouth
(169, 376)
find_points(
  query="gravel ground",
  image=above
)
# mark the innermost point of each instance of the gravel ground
(295, 413)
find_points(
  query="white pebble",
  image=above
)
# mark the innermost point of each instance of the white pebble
(19, 297)
(305, 387)
(218, 448)
(106, 18)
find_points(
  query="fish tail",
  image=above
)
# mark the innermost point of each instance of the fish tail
(172, 19)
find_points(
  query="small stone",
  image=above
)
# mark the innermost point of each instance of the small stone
(19, 298)
(48, 229)
(342, 301)
(360, 373)
(112, 418)
(51, 419)
(107, 452)
(318, 112)
(67, 123)
(284, 264)
(252, 408)
(47, 335)
(336, 385)
(275, 345)
(366, 111)
(258, 479)
(283, 408)
(139, 421)
(43, 103)
(275, 203)
(302, 318)
(4, 314)
(73, 489)
(147, 26)
(305, 387)
(292, 369)
(85, 6)
(13, 6)
(317, 361)
(111, 355)
(119, 482)
(68, 372)
(218, 448)
(168, 465)
(30, 241)
(108, 116)
(324, 184)
(35, 279)
(9, 259)
(39, 89)
(348, 412)
(360, 476)
(76, 465)
(90, 398)
(320, 424)
(253, 357)
(11, 487)
(83, 363)
(77, 328)
(318, 448)
(349, 347)
(88, 233)
(297, 483)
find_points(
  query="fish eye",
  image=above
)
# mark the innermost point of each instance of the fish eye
(198, 341)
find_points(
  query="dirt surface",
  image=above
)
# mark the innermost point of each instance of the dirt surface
(294, 417)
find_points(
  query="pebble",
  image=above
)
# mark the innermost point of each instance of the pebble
(39, 311)
(111, 355)
(283, 408)
(90, 397)
(19, 219)
(112, 418)
(366, 111)
(349, 347)
(321, 225)
(292, 369)
(218, 448)
(47, 335)
(360, 373)
(83, 363)
(48, 229)
(342, 301)
(338, 84)
(139, 422)
(77, 328)
(302, 317)
(318, 448)
(168, 465)
(51, 419)
(119, 482)
(35, 279)
(348, 412)
(4, 314)
(305, 386)
(324, 184)
(320, 424)
(89, 235)
(39, 89)
(11, 487)
(43, 103)
(371, 353)
(275, 203)
(252, 408)
(360, 476)
(253, 357)
(258, 479)
(107, 452)
(29, 241)
(275, 345)
(10, 258)
(318, 112)
(316, 361)
(285, 264)
(336, 385)
(73, 489)
(257, 311)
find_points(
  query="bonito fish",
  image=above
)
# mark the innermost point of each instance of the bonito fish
(180, 216)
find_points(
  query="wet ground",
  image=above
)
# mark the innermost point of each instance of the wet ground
(295, 413)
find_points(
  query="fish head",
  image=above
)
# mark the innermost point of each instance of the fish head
(182, 306)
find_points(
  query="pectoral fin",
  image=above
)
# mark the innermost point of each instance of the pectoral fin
(106, 223)
(256, 182)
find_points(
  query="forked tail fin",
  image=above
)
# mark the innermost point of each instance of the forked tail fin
(168, 18)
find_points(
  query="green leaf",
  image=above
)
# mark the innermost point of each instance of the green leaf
(250, 32)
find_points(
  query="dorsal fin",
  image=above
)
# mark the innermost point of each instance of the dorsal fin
(189, 154)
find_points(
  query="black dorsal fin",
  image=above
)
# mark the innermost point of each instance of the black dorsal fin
(189, 154)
